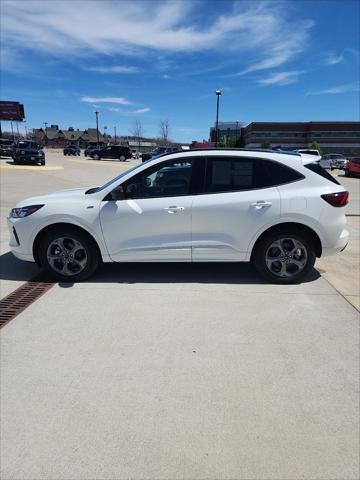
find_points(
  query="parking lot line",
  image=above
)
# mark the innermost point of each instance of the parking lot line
(32, 167)
(98, 163)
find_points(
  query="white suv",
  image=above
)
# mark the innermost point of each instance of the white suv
(279, 210)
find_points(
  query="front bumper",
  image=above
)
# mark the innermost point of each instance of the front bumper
(20, 241)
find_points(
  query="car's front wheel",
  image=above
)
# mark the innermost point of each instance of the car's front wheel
(96, 157)
(69, 255)
(284, 258)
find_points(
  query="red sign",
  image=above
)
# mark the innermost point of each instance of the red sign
(12, 111)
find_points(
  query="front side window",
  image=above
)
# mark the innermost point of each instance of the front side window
(168, 179)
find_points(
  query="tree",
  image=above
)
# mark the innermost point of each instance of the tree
(137, 131)
(164, 129)
(316, 146)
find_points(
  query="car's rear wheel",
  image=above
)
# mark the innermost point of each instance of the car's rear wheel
(122, 158)
(284, 257)
(68, 255)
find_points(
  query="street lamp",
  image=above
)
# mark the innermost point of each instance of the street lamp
(236, 132)
(114, 135)
(97, 128)
(217, 93)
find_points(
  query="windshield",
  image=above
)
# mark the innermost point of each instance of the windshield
(114, 180)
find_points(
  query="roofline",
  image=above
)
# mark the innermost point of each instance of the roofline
(261, 150)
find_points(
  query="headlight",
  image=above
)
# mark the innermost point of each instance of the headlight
(24, 211)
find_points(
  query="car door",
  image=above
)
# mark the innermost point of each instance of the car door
(153, 222)
(235, 204)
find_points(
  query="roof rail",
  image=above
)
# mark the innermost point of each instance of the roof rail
(221, 149)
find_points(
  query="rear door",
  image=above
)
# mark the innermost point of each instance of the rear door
(238, 200)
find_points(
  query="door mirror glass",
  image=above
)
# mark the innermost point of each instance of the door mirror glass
(117, 194)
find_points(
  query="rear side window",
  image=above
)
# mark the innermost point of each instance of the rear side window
(316, 168)
(229, 174)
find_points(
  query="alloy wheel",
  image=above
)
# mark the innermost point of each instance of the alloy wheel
(66, 256)
(286, 257)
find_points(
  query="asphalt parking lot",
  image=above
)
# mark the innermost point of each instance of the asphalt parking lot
(185, 371)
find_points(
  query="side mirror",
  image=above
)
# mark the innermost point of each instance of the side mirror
(117, 194)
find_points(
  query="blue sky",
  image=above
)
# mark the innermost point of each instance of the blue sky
(286, 60)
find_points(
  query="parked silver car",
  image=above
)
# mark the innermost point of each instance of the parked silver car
(337, 160)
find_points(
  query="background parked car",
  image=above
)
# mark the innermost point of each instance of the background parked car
(352, 167)
(88, 150)
(159, 151)
(5, 147)
(336, 159)
(113, 151)
(309, 151)
(72, 150)
(27, 151)
(325, 162)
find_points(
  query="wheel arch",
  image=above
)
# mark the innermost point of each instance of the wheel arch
(40, 235)
(288, 227)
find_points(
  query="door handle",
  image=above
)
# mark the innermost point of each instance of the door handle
(174, 209)
(261, 204)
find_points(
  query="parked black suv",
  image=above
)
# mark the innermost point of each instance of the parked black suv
(5, 147)
(72, 150)
(113, 151)
(27, 151)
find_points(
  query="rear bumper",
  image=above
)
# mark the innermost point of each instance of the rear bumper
(339, 246)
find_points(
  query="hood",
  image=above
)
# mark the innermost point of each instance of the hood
(76, 193)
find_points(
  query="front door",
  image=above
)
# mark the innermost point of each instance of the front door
(153, 222)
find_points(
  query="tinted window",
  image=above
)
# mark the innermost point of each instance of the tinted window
(168, 179)
(316, 168)
(228, 174)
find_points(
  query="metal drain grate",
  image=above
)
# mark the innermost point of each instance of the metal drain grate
(17, 301)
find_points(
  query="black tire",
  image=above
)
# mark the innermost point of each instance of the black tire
(95, 157)
(122, 158)
(89, 246)
(42, 162)
(263, 246)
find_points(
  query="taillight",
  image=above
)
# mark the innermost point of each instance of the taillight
(339, 199)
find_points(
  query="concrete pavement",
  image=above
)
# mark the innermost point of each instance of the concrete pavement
(178, 371)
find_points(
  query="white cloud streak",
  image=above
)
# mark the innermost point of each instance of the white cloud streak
(56, 28)
(281, 78)
(116, 100)
(142, 110)
(114, 69)
(346, 88)
(333, 59)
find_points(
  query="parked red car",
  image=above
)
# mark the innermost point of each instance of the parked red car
(352, 167)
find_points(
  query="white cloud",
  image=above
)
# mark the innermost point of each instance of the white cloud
(333, 59)
(281, 78)
(114, 69)
(265, 29)
(117, 100)
(142, 110)
(346, 88)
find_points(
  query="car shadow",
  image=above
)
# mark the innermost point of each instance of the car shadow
(130, 273)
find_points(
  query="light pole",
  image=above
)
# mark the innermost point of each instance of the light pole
(97, 128)
(236, 132)
(12, 130)
(114, 135)
(217, 93)
(105, 128)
